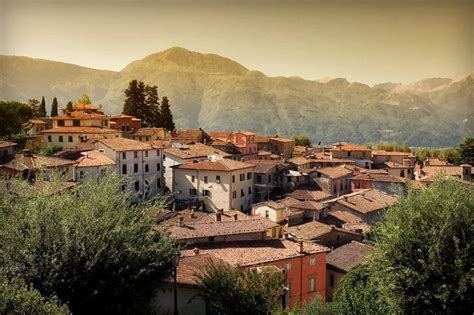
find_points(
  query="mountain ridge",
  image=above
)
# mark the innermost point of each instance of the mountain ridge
(215, 92)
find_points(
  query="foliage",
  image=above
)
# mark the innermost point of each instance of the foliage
(42, 108)
(69, 105)
(302, 140)
(166, 117)
(424, 258)
(18, 298)
(54, 107)
(34, 105)
(84, 99)
(466, 151)
(391, 147)
(12, 116)
(135, 100)
(314, 307)
(230, 290)
(152, 102)
(89, 246)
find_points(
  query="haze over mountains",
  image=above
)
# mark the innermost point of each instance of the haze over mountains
(216, 93)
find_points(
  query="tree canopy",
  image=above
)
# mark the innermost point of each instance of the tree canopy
(54, 107)
(302, 140)
(84, 99)
(89, 246)
(12, 116)
(42, 108)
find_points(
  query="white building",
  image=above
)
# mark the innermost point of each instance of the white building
(69, 137)
(92, 164)
(185, 153)
(219, 183)
(139, 161)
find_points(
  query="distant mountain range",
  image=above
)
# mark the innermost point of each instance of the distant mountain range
(216, 93)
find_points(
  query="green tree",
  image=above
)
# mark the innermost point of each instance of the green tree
(42, 108)
(152, 101)
(135, 100)
(89, 246)
(302, 140)
(18, 298)
(34, 105)
(69, 105)
(12, 116)
(84, 99)
(230, 290)
(314, 307)
(54, 107)
(166, 115)
(466, 150)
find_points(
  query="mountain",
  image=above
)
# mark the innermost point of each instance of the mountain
(216, 93)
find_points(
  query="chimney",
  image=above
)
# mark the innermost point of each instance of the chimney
(236, 217)
(193, 215)
(196, 251)
(301, 249)
(181, 221)
(218, 216)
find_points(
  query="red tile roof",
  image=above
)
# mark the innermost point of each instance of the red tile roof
(80, 115)
(366, 201)
(193, 151)
(334, 172)
(93, 159)
(225, 165)
(21, 162)
(379, 178)
(349, 255)
(7, 144)
(342, 146)
(312, 195)
(84, 130)
(123, 144)
(190, 266)
(147, 132)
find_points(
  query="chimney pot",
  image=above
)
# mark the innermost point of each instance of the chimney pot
(218, 216)
(181, 221)
(301, 249)
(196, 251)
(235, 217)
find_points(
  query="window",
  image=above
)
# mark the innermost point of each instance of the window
(135, 154)
(146, 153)
(234, 194)
(124, 169)
(76, 123)
(124, 155)
(357, 184)
(402, 173)
(259, 179)
(135, 168)
(269, 178)
(331, 281)
(69, 138)
(249, 175)
(233, 178)
(81, 174)
(60, 138)
(137, 185)
(242, 193)
(288, 266)
(146, 168)
(288, 285)
(250, 190)
(312, 261)
(61, 123)
(49, 139)
(211, 238)
(311, 284)
(341, 186)
(193, 178)
(349, 153)
(218, 179)
(242, 177)
(158, 183)
(192, 191)
(267, 213)
(335, 189)
(205, 179)
(206, 192)
(158, 166)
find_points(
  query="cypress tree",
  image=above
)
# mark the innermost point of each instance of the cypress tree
(166, 115)
(54, 107)
(152, 101)
(69, 105)
(135, 100)
(42, 108)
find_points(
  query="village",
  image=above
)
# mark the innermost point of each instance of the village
(259, 202)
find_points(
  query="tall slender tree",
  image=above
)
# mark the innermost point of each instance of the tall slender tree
(166, 116)
(54, 107)
(42, 108)
(152, 101)
(135, 100)
(69, 105)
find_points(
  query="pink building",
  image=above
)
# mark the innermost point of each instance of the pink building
(246, 143)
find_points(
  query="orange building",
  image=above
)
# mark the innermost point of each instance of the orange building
(126, 123)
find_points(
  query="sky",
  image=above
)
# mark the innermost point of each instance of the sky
(369, 41)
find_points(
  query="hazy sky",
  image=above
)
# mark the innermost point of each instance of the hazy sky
(369, 41)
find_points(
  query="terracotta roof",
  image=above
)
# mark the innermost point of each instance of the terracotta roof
(345, 216)
(263, 153)
(188, 133)
(391, 153)
(121, 116)
(246, 133)
(220, 134)
(79, 106)
(93, 158)
(20, 162)
(211, 229)
(123, 144)
(271, 204)
(229, 215)
(449, 170)
(379, 178)
(80, 115)
(256, 252)
(192, 151)
(190, 266)
(278, 139)
(188, 216)
(366, 201)
(302, 205)
(391, 164)
(436, 162)
(225, 165)
(299, 160)
(342, 146)
(357, 227)
(7, 144)
(265, 166)
(312, 195)
(310, 230)
(147, 132)
(262, 139)
(161, 144)
(85, 130)
(335, 172)
(349, 255)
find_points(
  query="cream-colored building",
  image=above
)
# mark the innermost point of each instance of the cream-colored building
(361, 155)
(92, 164)
(272, 210)
(150, 134)
(139, 162)
(68, 137)
(219, 183)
